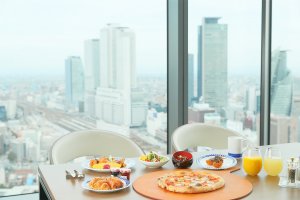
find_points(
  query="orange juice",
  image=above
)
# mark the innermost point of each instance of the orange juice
(252, 165)
(273, 166)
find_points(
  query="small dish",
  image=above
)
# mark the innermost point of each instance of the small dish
(155, 164)
(182, 159)
(153, 160)
(228, 161)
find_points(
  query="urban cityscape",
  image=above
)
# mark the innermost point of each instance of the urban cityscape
(101, 90)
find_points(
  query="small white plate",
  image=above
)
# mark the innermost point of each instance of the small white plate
(228, 161)
(86, 165)
(126, 184)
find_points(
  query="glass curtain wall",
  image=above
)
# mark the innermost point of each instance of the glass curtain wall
(224, 64)
(285, 72)
(74, 65)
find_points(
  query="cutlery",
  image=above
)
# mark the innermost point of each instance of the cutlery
(78, 175)
(69, 175)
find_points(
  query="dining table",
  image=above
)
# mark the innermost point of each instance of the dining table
(54, 184)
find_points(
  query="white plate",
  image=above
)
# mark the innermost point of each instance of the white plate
(126, 184)
(86, 165)
(228, 161)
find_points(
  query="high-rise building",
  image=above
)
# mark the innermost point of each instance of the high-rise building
(281, 84)
(3, 114)
(197, 112)
(296, 97)
(74, 81)
(199, 56)
(10, 106)
(251, 100)
(117, 53)
(18, 147)
(2, 132)
(283, 129)
(190, 79)
(117, 98)
(91, 74)
(212, 63)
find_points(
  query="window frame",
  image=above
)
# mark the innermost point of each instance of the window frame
(177, 81)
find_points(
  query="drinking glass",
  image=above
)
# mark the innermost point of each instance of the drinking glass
(273, 161)
(252, 161)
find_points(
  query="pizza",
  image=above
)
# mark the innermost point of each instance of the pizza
(191, 182)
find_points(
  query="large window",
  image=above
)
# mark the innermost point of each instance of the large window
(75, 65)
(285, 72)
(224, 63)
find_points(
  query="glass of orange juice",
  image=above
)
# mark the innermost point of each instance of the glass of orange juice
(252, 161)
(273, 161)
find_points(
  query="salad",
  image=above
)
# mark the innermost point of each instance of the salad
(153, 157)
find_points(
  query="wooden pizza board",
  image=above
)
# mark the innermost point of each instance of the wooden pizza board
(235, 187)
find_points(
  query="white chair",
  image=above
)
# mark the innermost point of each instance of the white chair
(92, 142)
(199, 134)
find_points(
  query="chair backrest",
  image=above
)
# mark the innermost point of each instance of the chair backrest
(199, 134)
(92, 142)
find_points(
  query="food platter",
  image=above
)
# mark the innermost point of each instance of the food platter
(85, 185)
(228, 161)
(86, 165)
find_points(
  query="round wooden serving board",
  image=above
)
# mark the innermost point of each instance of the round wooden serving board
(235, 187)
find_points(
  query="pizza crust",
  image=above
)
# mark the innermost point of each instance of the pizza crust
(191, 182)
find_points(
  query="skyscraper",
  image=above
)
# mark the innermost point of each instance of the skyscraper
(91, 64)
(117, 99)
(91, 74)
(74, 82)
(281, 84)
(212, 62)
(117, 53)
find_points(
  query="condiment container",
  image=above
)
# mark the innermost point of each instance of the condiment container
(293, 164)
(115, 171)
(125, 173)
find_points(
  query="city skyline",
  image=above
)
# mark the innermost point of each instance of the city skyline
(117, 74)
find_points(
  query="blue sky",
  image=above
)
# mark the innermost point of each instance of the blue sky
(36, 36)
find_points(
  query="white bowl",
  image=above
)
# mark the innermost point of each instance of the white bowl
(155, 164)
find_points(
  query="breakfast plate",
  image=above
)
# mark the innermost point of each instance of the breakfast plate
(86, 165)
(85, 185)
(227, 161)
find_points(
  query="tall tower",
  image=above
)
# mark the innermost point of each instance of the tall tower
(117, 101)
(74, 81)
(91, 74)
(281, 84)
(91, 64)
(212, 62)
(117, 53)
